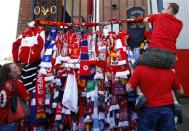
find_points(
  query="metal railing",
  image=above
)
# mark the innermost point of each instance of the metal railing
(49, 10)
(112, 3)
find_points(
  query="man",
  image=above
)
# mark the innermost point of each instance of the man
(157, 85)
(162, 48)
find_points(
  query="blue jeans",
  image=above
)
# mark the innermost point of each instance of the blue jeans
(160, 118)
(9, 127)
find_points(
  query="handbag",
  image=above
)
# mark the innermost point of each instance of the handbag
(177, 109)
(18, 108)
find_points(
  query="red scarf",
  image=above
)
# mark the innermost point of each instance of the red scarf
(40, 97)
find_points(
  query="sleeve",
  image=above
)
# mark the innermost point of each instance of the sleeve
(181, 26)
(22, 92)
(152, 18)
(41, 42)
(134, 79)
(176, 83)
(15, 48)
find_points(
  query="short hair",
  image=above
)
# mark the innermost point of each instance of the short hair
(175, 8)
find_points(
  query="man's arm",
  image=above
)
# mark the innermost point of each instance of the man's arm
(134, 80)
(177, 86)
(150, 18)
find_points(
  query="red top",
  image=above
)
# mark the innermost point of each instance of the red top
(21, 92)
(156, 84)
(166, 29)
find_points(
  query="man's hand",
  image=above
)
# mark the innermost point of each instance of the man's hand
(146, 19)
(177, 58)
(180, 91)
(128, 88)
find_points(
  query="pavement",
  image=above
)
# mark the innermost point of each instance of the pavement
(185, 114)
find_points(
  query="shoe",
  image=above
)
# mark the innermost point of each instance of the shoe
(140, 101)
(178, 113)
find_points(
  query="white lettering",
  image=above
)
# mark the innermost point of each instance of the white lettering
(137, 12)
(40, 85)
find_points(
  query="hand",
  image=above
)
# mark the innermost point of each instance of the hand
(177, 58)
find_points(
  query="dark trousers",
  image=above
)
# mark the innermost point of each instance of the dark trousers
(160, 118)
(157, 58)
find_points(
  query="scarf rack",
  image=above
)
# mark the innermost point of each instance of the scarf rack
(87, 24)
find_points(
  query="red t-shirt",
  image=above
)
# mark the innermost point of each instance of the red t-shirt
(166, 29)
(156, 84)
(21, 92)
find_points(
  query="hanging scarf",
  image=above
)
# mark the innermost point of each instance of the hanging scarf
(84, 63)
(58, 115)
(40, 97)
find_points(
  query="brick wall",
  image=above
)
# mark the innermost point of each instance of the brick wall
(25, 15)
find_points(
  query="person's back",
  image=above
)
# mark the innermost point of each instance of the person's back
(156, 84)
(166, 29)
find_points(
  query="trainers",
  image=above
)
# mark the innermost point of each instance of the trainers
(140, 101)
(178, 113)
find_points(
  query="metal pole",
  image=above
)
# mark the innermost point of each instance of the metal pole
(134, 3)
(64, 11)
(126, 1)
(111, 10)
(111, 15)
(79, 11)
(87, 10)
(150, 6)
(142, 3)
(95, 12)
(72, 11)
(160, 5)
(103, 10)
(119, 11)
(57, 3)
(33, 5)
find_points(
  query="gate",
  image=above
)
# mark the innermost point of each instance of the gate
(84, 10)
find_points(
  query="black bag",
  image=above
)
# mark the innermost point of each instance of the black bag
(18, 109)
(178, 114)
